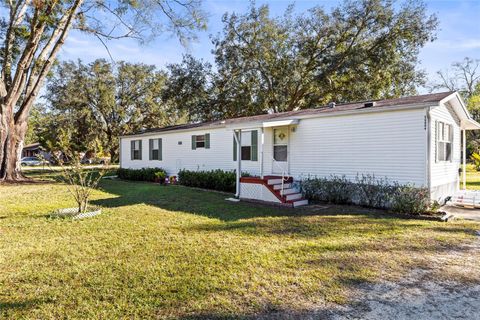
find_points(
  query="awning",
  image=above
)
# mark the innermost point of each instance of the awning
(470, 124)
(280, 123)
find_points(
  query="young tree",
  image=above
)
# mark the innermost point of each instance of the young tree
(33, 31)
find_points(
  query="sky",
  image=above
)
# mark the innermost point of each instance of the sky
(458, 35)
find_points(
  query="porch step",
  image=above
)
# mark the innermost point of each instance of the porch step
(279, 186)
(274, 181)
(287, 191)
(300, 203)
(293, 196)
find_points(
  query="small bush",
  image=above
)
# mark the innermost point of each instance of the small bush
(369, 191)
(373, 192)
(411, 200)
(160, 177)
(144, 174)
(332, 190)
(215, 180)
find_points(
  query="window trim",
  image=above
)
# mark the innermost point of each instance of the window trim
(152, 149)
(202, 141)
(206, 141)
(442, 143)
(139, 150)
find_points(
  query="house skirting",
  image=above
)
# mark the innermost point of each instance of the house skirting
(256, 189)
(439, 192)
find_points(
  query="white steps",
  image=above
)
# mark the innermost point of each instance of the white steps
(294, 196)
(288, 191)
(300, 203)
(274, 181)
(279, 186)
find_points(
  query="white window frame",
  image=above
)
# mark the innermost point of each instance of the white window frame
(138, 149)
(444, 141)
(203, 140)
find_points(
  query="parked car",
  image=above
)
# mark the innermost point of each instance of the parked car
(96, 160)
(31, 161)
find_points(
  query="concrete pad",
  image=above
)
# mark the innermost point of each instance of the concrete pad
(462, 213)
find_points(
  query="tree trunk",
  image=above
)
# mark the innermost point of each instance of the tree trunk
(113, 155)
(11, 144)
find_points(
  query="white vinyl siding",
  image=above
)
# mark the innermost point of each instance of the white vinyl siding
(386, 144)
(445, 172)
(178, 153)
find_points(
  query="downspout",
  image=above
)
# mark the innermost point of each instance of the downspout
(238, 139)
(261, 153)
(428, 128)
(464, 159)
(119, 152)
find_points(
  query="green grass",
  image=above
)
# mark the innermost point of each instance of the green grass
(473, 178)
(175, 252)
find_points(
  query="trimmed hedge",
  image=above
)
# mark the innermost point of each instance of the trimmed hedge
(144, 174)
(215, 180)
(368, 191)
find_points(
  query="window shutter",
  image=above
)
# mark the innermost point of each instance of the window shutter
(150, 146)
(436, 141)
(140, 148)
(450, 131)
(234, 147)
(194, 142)
(132, 147)
(254, 149)
(160, 149)
(207, 141)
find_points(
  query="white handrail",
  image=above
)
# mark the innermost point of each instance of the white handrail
(283, 175)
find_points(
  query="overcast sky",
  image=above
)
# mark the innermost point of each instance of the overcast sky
(458, 37)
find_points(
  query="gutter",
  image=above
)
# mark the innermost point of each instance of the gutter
(428, 172)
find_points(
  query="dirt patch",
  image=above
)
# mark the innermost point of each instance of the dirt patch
(431, 293)
(425, 293)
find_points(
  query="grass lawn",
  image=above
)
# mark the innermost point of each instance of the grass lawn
(473, 178)
(175, 252)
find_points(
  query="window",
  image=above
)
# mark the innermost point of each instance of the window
(444, 141)
(249, 150)
(155, 149)
(201, 141)
(136, 146)
(246, 146)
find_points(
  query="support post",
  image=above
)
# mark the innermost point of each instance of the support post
(464, 160)
(262, 139)
(238, 138)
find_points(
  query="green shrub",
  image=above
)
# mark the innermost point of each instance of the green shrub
(144, 174)
(373, 192)
(411, 200)
(160, 176)
(332, 190)
(215, 180)
(369, 191)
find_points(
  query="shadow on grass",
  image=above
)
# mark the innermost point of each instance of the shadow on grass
(212, 204)
(19, 305)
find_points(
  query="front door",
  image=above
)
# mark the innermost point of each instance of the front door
(280, 150)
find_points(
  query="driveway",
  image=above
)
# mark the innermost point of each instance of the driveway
(462, 213)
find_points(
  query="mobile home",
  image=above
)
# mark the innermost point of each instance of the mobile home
(417, 140)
